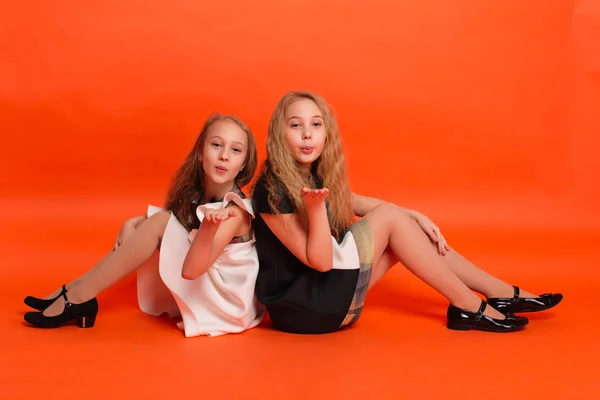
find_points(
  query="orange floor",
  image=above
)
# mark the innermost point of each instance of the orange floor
(399, 349)
(483, 115)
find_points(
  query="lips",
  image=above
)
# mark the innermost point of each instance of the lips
(307, 149)
(221, 169)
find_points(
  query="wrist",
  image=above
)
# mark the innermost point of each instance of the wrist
(208, 226)
(316, 210)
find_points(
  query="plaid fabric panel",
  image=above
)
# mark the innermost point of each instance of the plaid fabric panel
(361, 230)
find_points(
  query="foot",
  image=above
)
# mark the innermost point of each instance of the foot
(465, 320)
(58, 306)
(56, 293)
(474, 307)
(43, 303)
(493, 313)
(507, 291)
(519, 302)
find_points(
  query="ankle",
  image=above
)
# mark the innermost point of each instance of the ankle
(73, 284)
(503, 290)
(471, 304)
(78, 296)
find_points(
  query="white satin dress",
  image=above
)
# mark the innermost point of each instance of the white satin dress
(220, 301)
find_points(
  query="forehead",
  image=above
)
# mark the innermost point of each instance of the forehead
(303, 108)
(228, 131)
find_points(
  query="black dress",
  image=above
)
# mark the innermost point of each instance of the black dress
(300, 299)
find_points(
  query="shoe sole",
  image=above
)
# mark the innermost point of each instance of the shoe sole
(461, 327)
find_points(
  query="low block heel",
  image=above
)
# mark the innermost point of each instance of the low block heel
(87, 321)
(84, 314)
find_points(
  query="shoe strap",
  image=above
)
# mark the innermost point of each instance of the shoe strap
(479, 314)
(517, 293)
(67, 302)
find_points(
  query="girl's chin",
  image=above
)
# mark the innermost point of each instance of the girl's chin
(219, 179)
(305, 163)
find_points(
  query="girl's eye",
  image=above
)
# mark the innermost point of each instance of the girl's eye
(317, 124)
(237, 150)
(216, 144)
(295, 125)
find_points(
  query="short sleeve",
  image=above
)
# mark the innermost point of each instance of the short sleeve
(230, 198)
(260, 200)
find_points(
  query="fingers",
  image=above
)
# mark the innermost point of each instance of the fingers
(430, 231)
(440, 241)
(314, 195)
(118, 242)
(443, 247)
(446, 247)
(220, 216)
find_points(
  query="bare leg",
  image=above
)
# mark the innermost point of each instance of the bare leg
(474, 277)
(77, 280)
(479, 280)
(394, 233)
(136, 250)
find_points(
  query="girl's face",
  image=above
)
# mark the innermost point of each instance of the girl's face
(305, 132)
(224, 152)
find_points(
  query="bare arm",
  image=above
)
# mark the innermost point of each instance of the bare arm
(312, 245)
(361, 205)
(211, 239)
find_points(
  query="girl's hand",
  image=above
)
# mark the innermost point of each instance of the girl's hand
(126, 230)
(313, 197)
(192, 235)
(433, 231)
(218, 216)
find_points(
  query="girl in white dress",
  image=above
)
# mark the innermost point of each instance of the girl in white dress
(207, 264)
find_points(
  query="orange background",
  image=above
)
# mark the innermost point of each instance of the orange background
(483, 115)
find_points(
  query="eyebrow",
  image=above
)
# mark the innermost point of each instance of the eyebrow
(234, 141)
(314, 116)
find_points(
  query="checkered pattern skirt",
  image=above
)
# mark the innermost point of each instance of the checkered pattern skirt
(361, 231)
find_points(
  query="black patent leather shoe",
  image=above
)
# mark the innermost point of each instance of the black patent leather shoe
(84, 313)
(518, 304)
(463, 320)
(42, 304)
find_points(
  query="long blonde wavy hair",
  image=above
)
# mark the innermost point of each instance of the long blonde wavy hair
(187, 186)
(281, 169)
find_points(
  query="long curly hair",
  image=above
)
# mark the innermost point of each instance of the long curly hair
(281, 169)
(187, 186)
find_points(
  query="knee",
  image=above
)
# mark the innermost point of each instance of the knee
(158, 222)
(393, 211)
(162, 215)
(395, 214)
